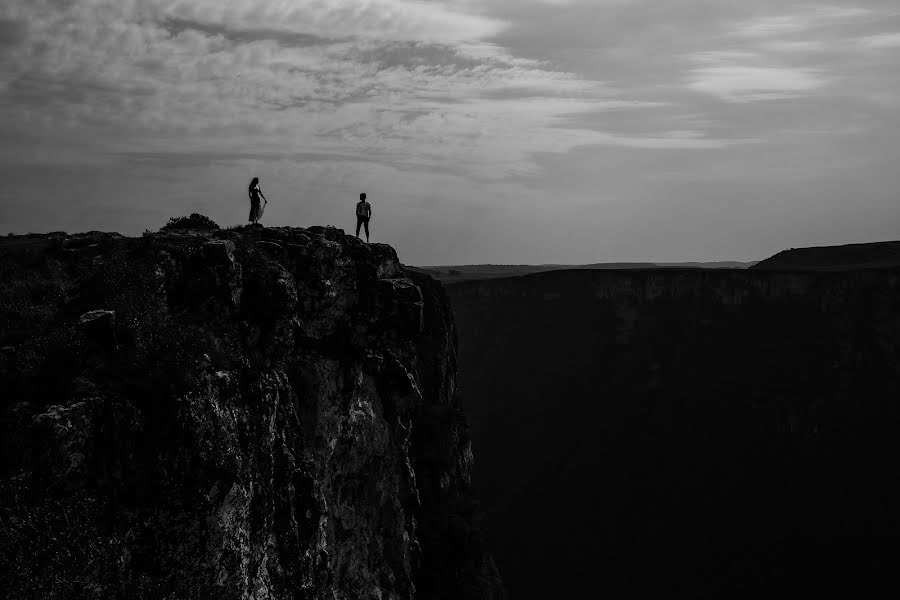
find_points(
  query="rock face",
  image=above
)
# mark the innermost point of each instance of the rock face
(707, 432)
(263, 414)
(876, 255)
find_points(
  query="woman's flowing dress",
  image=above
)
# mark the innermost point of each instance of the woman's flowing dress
(256, 207)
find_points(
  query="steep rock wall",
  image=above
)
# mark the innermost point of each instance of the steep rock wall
(232, 414)
(707, 432)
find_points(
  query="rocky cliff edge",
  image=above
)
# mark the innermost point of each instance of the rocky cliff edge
(231, 414)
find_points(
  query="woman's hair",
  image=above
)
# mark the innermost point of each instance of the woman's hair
(254, 182)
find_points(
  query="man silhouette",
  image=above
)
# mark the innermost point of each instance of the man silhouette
(363, 214)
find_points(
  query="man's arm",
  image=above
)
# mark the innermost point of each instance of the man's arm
(369, 208)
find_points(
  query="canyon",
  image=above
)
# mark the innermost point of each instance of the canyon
(688, 431)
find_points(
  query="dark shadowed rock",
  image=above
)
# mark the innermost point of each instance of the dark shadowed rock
(253, 413)
(875, 255)
(702, 433)
(99, 327)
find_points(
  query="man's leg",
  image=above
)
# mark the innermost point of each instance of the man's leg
(358, 223)
(366, 223)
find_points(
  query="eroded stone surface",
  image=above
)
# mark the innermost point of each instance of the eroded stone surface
(278, 419)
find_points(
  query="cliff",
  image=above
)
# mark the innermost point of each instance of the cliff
(231, 414)
(715, 433)
(875, 255)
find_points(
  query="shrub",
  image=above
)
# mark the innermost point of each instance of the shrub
(195, 221)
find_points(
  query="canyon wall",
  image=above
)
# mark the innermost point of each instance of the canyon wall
(245, 413)
(696, 431)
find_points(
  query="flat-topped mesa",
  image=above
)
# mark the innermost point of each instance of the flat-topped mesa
(244, 413)
(874, 255)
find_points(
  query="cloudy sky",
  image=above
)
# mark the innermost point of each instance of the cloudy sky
(508, 131)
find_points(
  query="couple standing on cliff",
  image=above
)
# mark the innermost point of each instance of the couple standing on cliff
(258, 203)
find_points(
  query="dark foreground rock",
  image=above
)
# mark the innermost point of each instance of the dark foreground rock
(230, 414)
(692, 433)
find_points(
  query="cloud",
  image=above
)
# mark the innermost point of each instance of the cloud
(798, 21)
(748, 84)
(881, 41)
(773, 26)
(794, 46)
(408, 82)
(374, 19)
(789, 53)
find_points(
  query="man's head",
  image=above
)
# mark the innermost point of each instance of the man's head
(362, 197)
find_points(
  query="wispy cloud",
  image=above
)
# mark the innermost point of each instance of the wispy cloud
(792, 52)
(881, 41)
(375, 19)
(404, 80)
(747, 83)
(804, 19)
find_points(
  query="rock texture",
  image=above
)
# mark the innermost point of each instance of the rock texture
(244, 413)
(697, 433)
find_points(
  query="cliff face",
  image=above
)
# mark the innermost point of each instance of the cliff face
(876, 255)
(236, 414)
(711, 432)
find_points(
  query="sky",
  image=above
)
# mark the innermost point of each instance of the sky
(483, 131)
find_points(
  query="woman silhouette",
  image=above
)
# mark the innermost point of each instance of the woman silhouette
(256, 209)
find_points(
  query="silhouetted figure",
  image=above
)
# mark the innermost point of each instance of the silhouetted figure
(256, 208)
(363, 214)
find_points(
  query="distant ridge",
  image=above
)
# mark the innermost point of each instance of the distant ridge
(458, 273)
(722, 264)
(875, 255)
